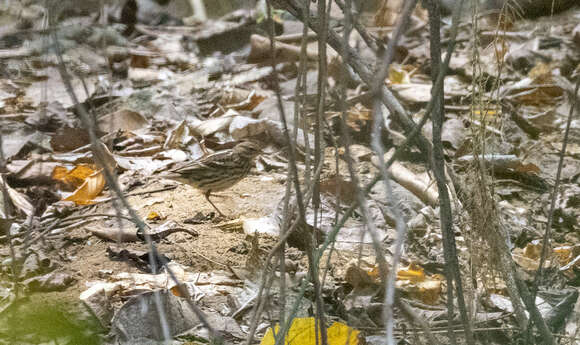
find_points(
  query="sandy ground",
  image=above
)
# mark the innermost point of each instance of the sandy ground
(214, 248)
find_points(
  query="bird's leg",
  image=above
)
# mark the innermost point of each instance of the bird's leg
(206, 194)
(203, 148)
(221, 195)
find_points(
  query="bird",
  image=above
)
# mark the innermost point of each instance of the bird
(218, 171)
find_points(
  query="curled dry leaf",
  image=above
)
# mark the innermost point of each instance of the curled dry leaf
(538, 89)
(143, 76)
(97, 299)
(413, 273)
(178, 137)
(211, 126)
(569, 259)
(527, 259)
(89, 190)
(357, 117)
(237, 99)
(420, 185)
(241, 99)
(242, 127)
(75, 177)
(413, 281)
(133, 325)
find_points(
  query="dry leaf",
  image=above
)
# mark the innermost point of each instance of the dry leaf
(413, 93)
(542, 73)
(413, 273)
(154, 216)
(415, 284)
(490, 111)
(75, 177)
(388, 12)
(88, 191)
(398, 75)
(123, 119)
(240, 99)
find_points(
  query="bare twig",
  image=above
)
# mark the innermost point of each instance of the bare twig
(323, 15)
(377, 145)
(158, 190)
(370, 42)
(452, 272)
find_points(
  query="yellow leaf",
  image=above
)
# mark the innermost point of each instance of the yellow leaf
(302, 332)
(490, 111)
(415, 284)
(59, 173)
(153, 216)
(413, 272)
(75, 177)
(397, 75)
(91, 187)
(564, 254)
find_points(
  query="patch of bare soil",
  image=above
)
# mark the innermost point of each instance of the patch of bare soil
(214, 248)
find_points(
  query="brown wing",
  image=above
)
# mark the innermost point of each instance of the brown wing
(215, 172)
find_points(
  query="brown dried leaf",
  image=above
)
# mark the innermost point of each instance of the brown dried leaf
(123, 119)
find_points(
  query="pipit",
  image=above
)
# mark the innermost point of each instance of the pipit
(218, 171)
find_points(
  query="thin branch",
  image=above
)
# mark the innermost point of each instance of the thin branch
(323, 14)
(370, 42)
(377, 145)
(452, 270)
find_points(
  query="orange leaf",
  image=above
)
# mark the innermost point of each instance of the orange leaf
(75, 177)
(153, 216)
(91, 187)
(413, 272)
